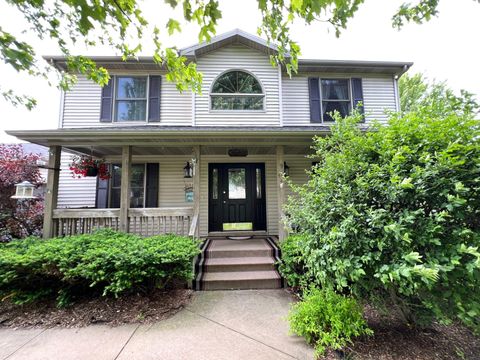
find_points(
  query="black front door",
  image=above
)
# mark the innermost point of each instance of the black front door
(236, 197)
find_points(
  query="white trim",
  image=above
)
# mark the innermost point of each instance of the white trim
(190, 50)
(62, 108)
(280, 95)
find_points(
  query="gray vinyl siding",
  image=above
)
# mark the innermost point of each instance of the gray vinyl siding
(81, 105)
(175, 107)
(299, 165)
(172, 184)
(238, 57)
(75, 192)
(378, 97)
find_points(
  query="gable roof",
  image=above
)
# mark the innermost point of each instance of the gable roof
(236, 36)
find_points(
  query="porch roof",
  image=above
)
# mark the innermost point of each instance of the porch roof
(154, 135)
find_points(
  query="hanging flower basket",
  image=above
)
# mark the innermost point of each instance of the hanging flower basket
(86, 166)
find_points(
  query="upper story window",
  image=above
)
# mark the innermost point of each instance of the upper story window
(330, 95)
(237, 90)
(131, 98)
(335, 97)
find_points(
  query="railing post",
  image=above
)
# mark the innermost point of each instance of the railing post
(125, 187)
(51, 195)
(280, 191)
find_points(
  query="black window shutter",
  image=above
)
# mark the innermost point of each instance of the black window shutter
(106, 105)
(357, 92)
(154, 99)
(314, 94)
(101, 200)
(151, 199)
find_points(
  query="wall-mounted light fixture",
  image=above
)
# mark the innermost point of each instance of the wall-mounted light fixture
(188, 171)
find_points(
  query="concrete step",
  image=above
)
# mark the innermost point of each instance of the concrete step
(232, 264)
(237, 280)
(239, 248)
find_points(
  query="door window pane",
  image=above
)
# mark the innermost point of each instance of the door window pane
(215, 184)
(258, 180)
(236, 184)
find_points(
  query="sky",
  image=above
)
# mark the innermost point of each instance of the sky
(446, 48)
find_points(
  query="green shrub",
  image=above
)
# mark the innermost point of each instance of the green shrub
(292, 265)
(105, 262)
(395, 213)
(326, 319)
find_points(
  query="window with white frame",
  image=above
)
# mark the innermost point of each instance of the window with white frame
(237, 90)
(335, 94)
(131, 98)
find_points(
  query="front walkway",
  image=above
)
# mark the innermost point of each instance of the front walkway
(247, 324)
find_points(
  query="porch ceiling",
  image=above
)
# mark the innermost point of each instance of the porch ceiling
(159, 138)
(114, 151)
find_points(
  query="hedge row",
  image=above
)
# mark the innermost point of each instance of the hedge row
(104, 263)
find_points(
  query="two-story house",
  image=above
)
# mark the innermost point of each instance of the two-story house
(250, 124)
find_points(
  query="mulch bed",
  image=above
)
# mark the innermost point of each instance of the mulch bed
(135, 308)
(392, 340)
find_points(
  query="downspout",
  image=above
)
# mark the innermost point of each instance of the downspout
(280, 95)
(396, 88)
(396, 93)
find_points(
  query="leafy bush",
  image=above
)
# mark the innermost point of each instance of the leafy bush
(327, 319)
(292, 265)
(106, 262)
(395, 213)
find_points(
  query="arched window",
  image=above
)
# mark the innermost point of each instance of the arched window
(236, 90)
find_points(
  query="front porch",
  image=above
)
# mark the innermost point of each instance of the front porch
(73, 206)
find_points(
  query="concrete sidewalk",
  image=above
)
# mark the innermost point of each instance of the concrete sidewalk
(247, 324)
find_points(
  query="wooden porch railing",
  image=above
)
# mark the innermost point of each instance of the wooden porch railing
(155, 221)
(144, 222)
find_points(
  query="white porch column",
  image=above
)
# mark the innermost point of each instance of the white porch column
(196, 187)
(51, 195)
(125, 187)
(280, 191)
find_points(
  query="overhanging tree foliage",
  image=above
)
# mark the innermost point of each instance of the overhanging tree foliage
(417, 92)
(121, 25)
